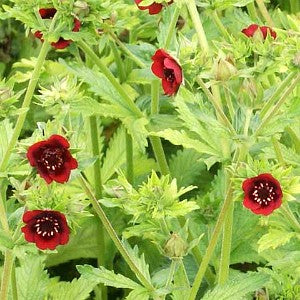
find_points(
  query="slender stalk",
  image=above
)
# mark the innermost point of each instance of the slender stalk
(156, 141)
(94, 134)
(220, 25)
(171, 273)
(290, 216)
(128, 138)
(129, 159)
(262, 8)
(277, 150)
(25, 106)
(192, 8)
(3, 217)
(247, 121)
(273, 111)
(252, 11)
(295, 6)
(216, 105)
(6, 274)
(14, 283)
(110, 230)
(295, 138)
(127, 52)
(88, 51)
(286, 82)
(172, 27)
(228, 102)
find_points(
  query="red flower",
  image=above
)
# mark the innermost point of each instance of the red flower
(263, 194)
(154, 8)
(250, 31)
(48, 13)
(45, 228)
(52, 159)
(166, 67)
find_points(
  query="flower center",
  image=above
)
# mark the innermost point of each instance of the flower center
(52, 158)
(47, 226)
(169, 75)
(263, 193)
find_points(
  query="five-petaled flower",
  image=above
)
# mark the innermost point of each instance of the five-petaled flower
(166, 67)
(262, 194)
(46, 228)
(52, 159)
(153, 8)
(251, 30)
(48, 13)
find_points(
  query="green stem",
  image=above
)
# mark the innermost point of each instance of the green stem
(191, 5)
(247, 121)
(171, 273)
(252, 11)
(226, 246)
(110, 230)
(88, 51)
(276, 146)
(156, 141)
(6, 274)
(286, 82)
(172, 27)
(119, 62)
(129, 158)
(290, 216)
(216, 105)
(295, 6)
(273, 111)
(220, 25)
(262, 8)
(127, 52)
(229, 102)
(14, 283)
(25, 106)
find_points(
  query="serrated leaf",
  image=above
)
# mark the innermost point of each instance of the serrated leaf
(6, 131)
(274, 238)
(32, 279)
(138, 294)
(5, 240)
(238, 287)
(78, 289)
(108, 278)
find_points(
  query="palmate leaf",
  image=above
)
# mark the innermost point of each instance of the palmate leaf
(109, 278)
(32, 279)
(78, 289)
(238, 287)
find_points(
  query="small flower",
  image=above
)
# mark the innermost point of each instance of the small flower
(153, 8)
(262, 194)
(251, 30)
(52, 159)
(48, 13)
(46, 228)
(166, 67)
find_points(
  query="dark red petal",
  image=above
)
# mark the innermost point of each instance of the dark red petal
(158, 69)
(58, 140)
(38, 34)
(47, 244)
(170, 63)
(64, 236)
(250, 30)
(73, 164)
(247, 185)
(28, 234)
(31, 214)
(62, 176)
(155, 8)
(33, 152)
(265, 30)
(168, 88)
(61, 44)
(248, 203)
(47, 13)
(77, 25)
(161, 54)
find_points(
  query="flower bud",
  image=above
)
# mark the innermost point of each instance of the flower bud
(224, 69)
(81, 8)
(5, 93)
(175, 247)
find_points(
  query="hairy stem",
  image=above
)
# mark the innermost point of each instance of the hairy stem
(6, 274)
(290, 216)
(262, 8)
(220, 25)
(171, 273)
(14, 283)
(294, 137)
(113, 235)
(252, 11)
(172, 27)
(191, 5)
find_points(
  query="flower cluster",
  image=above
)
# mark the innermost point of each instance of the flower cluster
(54, 162)
(48, 13)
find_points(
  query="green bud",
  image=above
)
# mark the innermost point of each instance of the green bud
(5, 93)
(224, 69)
(175, 247)
(81, 8)
(261, 295)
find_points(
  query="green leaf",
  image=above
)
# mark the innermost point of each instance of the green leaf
(32, 279)
(108, 278)
(238, 287)
(274, 238)
(6, 130)
(78, 289)
(5, 240)
(138, 294)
